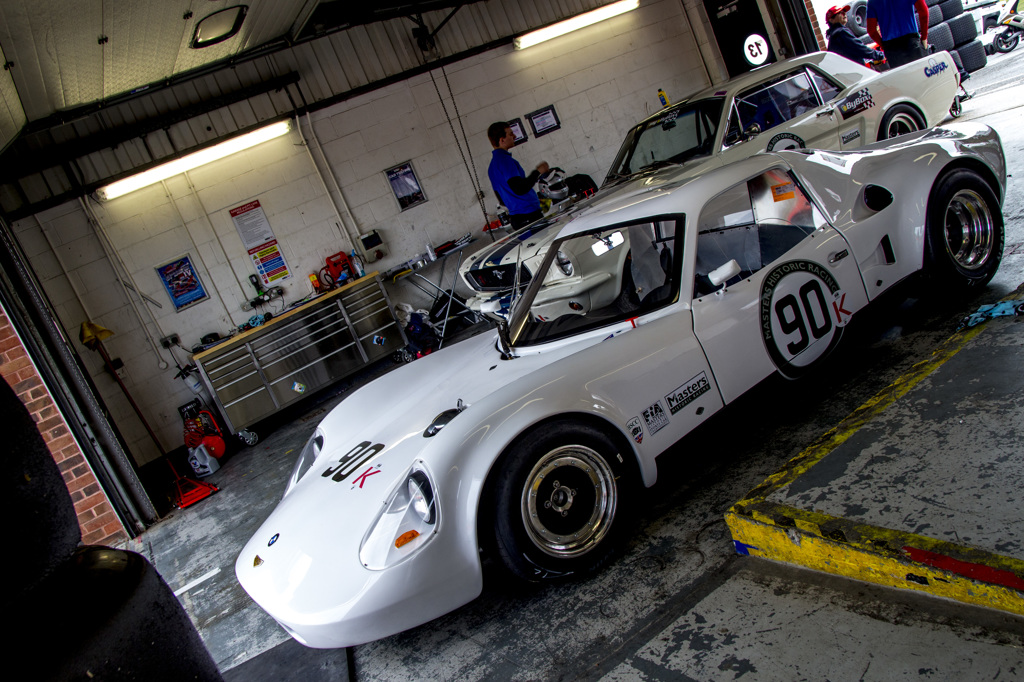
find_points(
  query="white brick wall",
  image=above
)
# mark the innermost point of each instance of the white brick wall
(601, 80)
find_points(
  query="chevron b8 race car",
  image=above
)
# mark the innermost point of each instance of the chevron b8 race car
(653, 311)
(820, 101)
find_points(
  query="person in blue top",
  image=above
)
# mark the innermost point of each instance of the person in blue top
(842, 41)
(901, 28)
(513, 187)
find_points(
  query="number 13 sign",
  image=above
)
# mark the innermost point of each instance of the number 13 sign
(755, 49)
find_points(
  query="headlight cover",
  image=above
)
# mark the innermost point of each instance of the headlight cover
(409, 521)
(310, 451)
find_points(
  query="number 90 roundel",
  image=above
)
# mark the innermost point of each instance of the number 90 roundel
(802, 315)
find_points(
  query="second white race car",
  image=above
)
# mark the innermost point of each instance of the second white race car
(646, 315)
(820, 101)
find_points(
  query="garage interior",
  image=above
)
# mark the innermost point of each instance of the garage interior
(98, 95)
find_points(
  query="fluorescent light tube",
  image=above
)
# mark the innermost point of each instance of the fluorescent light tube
(577, 22)
(194, 160)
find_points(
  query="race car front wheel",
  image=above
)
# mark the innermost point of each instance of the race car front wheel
(964, 232)
(562, 495)
(900, 120)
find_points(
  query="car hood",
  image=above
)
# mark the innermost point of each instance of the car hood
(303, 564)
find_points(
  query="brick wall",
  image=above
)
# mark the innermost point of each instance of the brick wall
(822, 42)
(96, 518)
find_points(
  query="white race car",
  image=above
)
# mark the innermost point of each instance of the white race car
(820, 101)
(653, 312)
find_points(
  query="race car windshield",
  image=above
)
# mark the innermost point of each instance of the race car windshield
(599, 278)
(680, 133)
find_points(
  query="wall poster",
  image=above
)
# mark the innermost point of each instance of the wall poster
(182, 283)
(404, 184)
(258, 239)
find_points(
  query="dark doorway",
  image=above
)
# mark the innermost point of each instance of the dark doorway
(741, 34)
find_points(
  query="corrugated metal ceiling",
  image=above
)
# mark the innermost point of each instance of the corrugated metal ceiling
(107, 87)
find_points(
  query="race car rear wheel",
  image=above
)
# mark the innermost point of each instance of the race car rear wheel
(900, 120)
(963, 233)
(561, 500)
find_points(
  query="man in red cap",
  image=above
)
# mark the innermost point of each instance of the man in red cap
(842, 41)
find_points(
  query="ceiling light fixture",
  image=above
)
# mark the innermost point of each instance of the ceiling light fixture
(194, 160)
(577, 22)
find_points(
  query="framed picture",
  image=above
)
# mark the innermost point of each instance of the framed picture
(404, 184)
(182, 283)
(517, 129)
(544, 121)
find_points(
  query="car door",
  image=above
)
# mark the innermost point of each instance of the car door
(789, 112)
(774, 283)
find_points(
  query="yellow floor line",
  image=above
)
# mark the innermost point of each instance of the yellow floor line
(884, 556)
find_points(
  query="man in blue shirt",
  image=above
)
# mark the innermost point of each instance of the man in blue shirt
(901, 28)
(513, 187)
(842, 41)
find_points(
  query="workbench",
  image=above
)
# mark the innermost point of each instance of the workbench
(256, 373)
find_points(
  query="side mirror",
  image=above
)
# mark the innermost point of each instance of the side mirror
(724, 273)
(752, 131)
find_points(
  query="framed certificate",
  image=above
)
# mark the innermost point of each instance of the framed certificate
(544, 121)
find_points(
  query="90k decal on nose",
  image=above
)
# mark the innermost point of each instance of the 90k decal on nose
(802, 315)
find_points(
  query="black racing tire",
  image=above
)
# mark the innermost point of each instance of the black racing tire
(964, 233)
(1006, 40)
(940, 38)
(900, 119)
(934, 16)
(562, 496)
(951, 8)
(963, 29)
(932, 3)
(972, 56)
(858, 17)
(956, 60)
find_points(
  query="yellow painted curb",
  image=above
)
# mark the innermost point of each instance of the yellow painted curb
(878, 555)
(814, 552)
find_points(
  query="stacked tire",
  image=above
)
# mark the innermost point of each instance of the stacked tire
(949, 29)
(957, 33)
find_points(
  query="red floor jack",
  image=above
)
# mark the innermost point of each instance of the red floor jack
(201, 428)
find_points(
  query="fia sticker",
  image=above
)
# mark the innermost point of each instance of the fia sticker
(655, 417)
(783, 191)
(359, 480)
(298, 387)
(636, 430)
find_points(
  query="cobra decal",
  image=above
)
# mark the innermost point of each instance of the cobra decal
(784, 141)
(802, 315)
(862, 100)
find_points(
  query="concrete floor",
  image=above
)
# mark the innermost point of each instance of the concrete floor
(679, 603)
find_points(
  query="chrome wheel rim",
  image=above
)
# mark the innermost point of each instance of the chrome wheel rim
(569, 501)
(969, 230)
(901, 124)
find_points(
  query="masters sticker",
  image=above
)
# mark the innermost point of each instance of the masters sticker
(655, 418)
(849, 137)
(688, 392)
(636, 429)
(784, 141)
(802, 315)
(856, 103)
